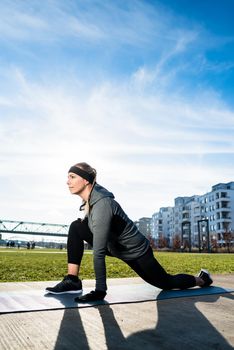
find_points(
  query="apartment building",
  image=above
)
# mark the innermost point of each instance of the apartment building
(162, 224)
(197, 216)
(217, 206)
(144, 226)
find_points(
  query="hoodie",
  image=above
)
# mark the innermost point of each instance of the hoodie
(113, 233)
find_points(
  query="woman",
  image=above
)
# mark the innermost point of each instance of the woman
(109, 231)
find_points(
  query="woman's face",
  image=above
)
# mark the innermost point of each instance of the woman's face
(76, 183)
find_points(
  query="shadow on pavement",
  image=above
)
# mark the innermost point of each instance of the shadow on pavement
(71, 334)
(180, 325)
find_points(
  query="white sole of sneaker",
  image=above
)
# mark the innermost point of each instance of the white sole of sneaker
(68, 292)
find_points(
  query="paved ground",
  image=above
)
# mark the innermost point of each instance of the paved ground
(205, 322)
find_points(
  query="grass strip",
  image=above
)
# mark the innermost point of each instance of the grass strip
(33, 265)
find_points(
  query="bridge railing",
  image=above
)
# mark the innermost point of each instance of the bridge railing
(33, 228)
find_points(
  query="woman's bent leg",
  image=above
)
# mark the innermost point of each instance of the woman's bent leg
(149, 269)
(78, 233)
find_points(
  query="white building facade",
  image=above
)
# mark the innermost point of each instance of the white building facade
(195, 216)
(162, 224)
(144, 226)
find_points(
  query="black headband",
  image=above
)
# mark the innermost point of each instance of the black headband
(78, 171)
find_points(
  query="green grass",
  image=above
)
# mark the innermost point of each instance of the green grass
(35, 265)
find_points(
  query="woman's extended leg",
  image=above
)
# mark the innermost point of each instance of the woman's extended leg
(149, 269)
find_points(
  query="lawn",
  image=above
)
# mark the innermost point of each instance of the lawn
(44, 265)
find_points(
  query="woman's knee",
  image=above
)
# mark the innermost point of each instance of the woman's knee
(77, 226)
(79, 230)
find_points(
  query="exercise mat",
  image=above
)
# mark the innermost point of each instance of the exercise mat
(30, 299)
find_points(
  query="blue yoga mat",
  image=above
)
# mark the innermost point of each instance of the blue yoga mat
(37, 300)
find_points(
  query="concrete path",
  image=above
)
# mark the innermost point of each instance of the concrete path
(204, 322)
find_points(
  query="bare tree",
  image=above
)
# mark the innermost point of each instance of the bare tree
(176, 243)
(228, 237)
(163, 242)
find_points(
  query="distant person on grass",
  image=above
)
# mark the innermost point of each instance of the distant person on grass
(110, 232)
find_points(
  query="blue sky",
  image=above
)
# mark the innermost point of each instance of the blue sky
(141, 90)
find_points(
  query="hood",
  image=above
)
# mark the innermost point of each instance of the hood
(98, 193)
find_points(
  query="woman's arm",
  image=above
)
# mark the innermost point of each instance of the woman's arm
(101, 217)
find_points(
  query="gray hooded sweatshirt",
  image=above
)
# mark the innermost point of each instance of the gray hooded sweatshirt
(113, 233)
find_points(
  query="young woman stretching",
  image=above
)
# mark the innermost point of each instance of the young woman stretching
(109, 231)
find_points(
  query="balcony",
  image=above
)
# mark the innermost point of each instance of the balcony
(225, 200)
(228, 220)
(224, 195)
(222, 205)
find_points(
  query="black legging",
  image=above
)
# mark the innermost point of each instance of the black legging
(77, 234)
(146, 266)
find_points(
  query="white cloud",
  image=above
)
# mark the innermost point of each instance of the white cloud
(147, 149)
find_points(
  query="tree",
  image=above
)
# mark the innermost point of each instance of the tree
(228, 237)
(162, 242)
(176, 242)
(152, 242)
(214, 244)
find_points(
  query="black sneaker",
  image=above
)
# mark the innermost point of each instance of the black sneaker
(205, 276)
(66, 286)
(94, 295)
